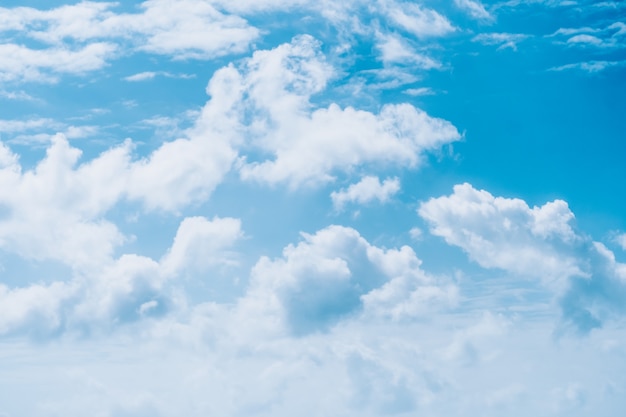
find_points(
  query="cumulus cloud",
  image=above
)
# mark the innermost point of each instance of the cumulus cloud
(505, 233)
(466, 343)
(201, 243)
(309, 145)
(537, 242)
(55, 211)
(368, 189)
(122, 290)
(335, 274)
(593, 299)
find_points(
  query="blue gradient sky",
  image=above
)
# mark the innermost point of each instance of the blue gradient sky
(294, 207)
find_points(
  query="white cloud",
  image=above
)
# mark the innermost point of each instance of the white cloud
(11, 126)
(41, 131)
(574, 31)
(597, 298)
(504, 40)
(122, 290)
(610, 36)
(335, 274)
(56, 209)
(421, 91)
(18, 62)
(537, 242)
(417, 20)
(179, 173)
(590, 67)
(17, 95)
(201, 243)
(368, 189)
(465, 345)
(474, 8)
(395, 49)
(621, 240)
(416, 233)
(187, 170)
(36, 308)
(620, 26)
(149, 75)
(339, 139)
(310, 145)
(69, 132)
(53, 207)
(141, 76)
(85, 36)
(584, 39)
(191, 29)
(255, 6)
(505, 233)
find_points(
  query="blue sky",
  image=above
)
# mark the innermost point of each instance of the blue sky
(295, 207)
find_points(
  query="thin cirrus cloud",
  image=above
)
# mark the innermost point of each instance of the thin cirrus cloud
(503, 40)
(395, 49)
(475, 9)
(590, 67)
(150, 75)
(608, 37)
(417, 20)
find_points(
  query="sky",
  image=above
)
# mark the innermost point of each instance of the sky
(314, 208)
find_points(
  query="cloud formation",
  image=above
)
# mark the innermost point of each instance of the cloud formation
(335, 274)
(165, 253)
(366, 190)
(84, 37)
(535, 243)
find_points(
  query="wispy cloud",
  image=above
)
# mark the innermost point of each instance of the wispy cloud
(150, 75)
(503, 40)
(190, 30)
(475, 9)
(589, 66)
(421, 91)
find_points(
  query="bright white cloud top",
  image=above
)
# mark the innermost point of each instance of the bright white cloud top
(279, 208)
